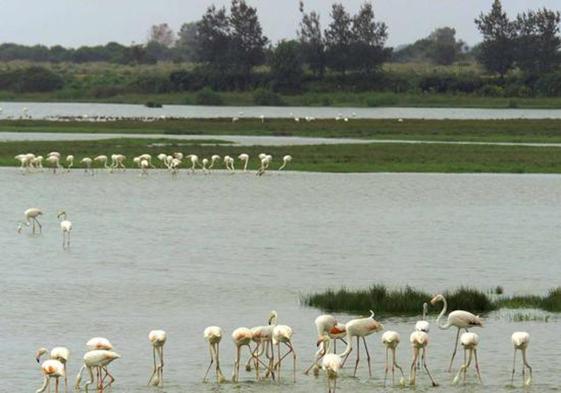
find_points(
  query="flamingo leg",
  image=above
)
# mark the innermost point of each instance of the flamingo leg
(219, 376)
(279, 362)
(367, 357)
(357, 354)
(513, 368)
(455, 350)
(154, 368)
(427, 368)
(162, 366)
(395, 365)
(236, 366)
(385, 365)
(477, 366)
(210, 349)
(413, 372)
(529, 380)
(44, 386)
(65, 379)
(56, 385)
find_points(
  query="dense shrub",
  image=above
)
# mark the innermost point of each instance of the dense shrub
(106, 91)
(31, 79)
(152, 84)
(266, 97)
(207, 96)
(549, 85)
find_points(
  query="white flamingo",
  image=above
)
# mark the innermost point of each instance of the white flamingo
(61, 354)
(245, 159)
(54, 160)
(459, 319)
(520, 341)
(87, 162)
(213, 159)
(98, 359)
(70, 162)
(65, 228)
(470, 342)
(285, 160)
(391, 340)
(265, 162)
(31, 217)
(263, 337)
(283, 334)
(205, 165)
(229, 163)
(419, 342)
(241, 337)
(51, 369)
(157, 339)
(194, 162)
(423, 325)
(331, 363)
(213, 335)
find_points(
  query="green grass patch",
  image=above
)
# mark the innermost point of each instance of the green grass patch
(409, 301)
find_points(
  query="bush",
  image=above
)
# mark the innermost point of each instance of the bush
(549, 85)
(387, 99)
(266, 97)
(491, 91)
(152, 104)
(31, 79)
(106, 91)
(152, 84)
(207, 96)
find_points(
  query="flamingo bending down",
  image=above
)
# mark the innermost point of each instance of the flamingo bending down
(263, 337)
(213, 159)
(391, 340)
(70, 161)
(213, 335)
(459, 319)
(66, 228)
(51, 369)
(103, 160)
(60, 354)
(283, 334)
(361, 328)
(265, 162)
(241, 337)
(419, 342)
(469, 341)
(423, 325)
(87, 161)
(245, 159)
(326, 325)
(285, 160)
(98, 359)
(520, 340)
(157, 339)
(194, 162)
(144, 165)
(331, 363)
(31, 215)
(229, 163)
(54, 160)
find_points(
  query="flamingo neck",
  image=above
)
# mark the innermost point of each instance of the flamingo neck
(349, 346)
(443, 325)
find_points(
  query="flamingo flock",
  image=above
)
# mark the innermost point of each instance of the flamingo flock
(30, 162)
(264, 342)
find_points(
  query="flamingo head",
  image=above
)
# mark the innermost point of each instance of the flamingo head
(321, 340)
(61, 213)
(436, 299)
(40, 352)
(273, 316)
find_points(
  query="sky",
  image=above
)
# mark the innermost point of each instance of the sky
(73, 23)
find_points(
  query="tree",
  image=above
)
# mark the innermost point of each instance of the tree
(187, 41)
(213, 38)
(311, 42)
(497, 51)
(538, 42)
(338, 39)
(369, 38)
(247, 40)
(444, 47)
(162, 34)
(286, 66)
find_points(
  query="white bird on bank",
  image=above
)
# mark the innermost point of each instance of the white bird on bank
(65, 227)
(285, 160)
(87, 162)
(213, 159)
(70, 162)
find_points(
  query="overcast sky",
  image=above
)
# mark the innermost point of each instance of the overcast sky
(89, 22)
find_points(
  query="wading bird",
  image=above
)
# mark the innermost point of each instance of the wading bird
(54, 161)
(157, 339)
(213, 159)
(423, 325)
(263, 337)
(102, 159)
(194, 161)
(213, 335)
(87, 162)
(51, 369)
(469, 341)
(61, 354)
(65, 228)
(70, 162)
(361, 328)
(283, 334)
(391, 340)
(245, 159)
(285, 160)
(324, 323)
(520, 341)
(229, 163)
(331, 363)
(459, 319)
(98, 359)
(241, 337)
(31, 216)
(419, 341)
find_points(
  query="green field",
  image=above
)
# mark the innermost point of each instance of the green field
(543, 131)
(342, 158)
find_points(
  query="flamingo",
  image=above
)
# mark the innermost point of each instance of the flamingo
(194, 161)
(102, 159)
(331, 363)
(100, 343)
(61, 354)
(205, 165)
(25, 161)
(157, 339)
(144, 165)
(213, 335)
(87, 161)
(241, 337)
(31, 215)
(229, 163)
(326, 325)
(148, 158)
(174, 165)
(469, 341)
(54, 160)
(213, 159)
(361, 328)
(178, 155)
(99, 359)
(459, 319)
(37, 162)
(263, 337)
(423, 325)
(419, 341)
(391, 340)
(520, 341)
(66, 228)
(265, 162)
(70, 161)
(51, 369)
(285, 160)
(118, 161)
(136, 160)
(163, 158)
(245, 159)
(283, 334)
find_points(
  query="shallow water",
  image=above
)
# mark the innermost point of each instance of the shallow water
(184, 253)
(39, 110)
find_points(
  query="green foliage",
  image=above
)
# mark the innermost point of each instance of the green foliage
(265, 97)
(440, 47)
(207, 96)
(286, 67)
(30, 79)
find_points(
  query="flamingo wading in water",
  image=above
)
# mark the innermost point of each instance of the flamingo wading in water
(66, 228)
(459, 319)
(51, 369)
(520, 341)
(213, 335)
(419, 342)
(31, 216)
(391, 340)
(157, 339)
(60, 354)
(469, 341)
(98, 359)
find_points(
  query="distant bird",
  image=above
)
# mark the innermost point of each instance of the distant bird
(31, 217)
(70, 162)
(391, 340)
(163, 158)
(423, 325)
(98, 359)
(194, 161)
(469, 341)
(245, 159)
(157, 339)
(87, 161)
(148, 158)
(419, 342)
(520, 341)
(331, 363)
(37, 162)
(144, 165)
(459, 319)
(213, 159)
(283, 334)
(118, 161)
(65, 227)
(285, 160)
(60, 354)
(324, 323)
(51, 369)
(361, 328)
(265, 162)
(54, 160)
(205, 162)
(213, 335)
(229, 163)
(262, 118)
(241, 337)
(178, 155)
(102, 159)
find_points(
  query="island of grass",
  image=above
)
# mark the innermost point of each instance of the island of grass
(339, 158)
(409, 301)
(514, 130)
